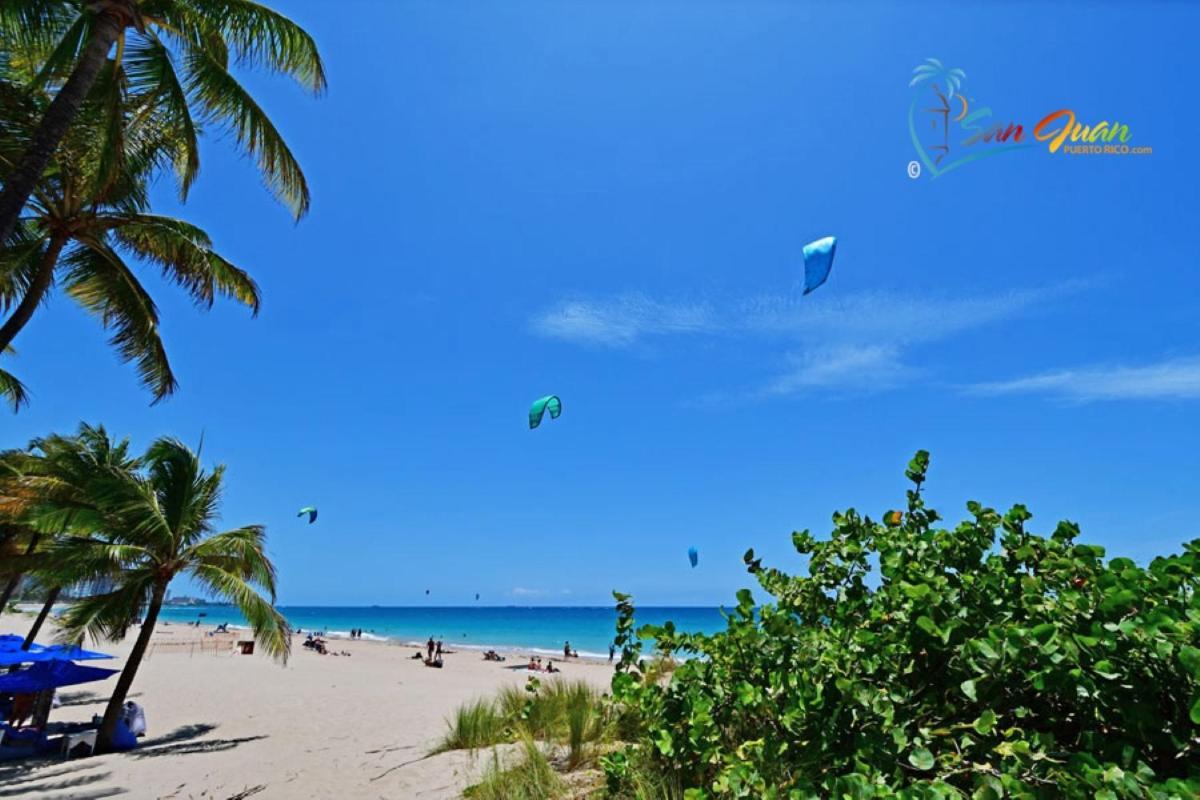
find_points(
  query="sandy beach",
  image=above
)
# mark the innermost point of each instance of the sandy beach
(231, 726)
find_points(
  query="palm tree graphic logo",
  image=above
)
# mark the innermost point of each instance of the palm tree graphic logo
(940, 102)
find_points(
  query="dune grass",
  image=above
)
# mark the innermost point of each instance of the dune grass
(531, 779)
(563, 712)
(474, 725)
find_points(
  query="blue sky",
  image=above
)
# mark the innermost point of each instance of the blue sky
(607, 201)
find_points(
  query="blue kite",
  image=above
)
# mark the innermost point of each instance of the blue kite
(818, 261)
(693, 556)
(312, 514)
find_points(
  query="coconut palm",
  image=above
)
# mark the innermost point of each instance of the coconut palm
(88, 214)
(178, 52)
(54, 479)
(157, 523)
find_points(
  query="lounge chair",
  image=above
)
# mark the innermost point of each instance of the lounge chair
(73, 740)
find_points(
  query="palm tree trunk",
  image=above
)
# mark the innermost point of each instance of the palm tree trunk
(41, 618)
(11, 586)
(115, 703)
(106, 26)
(33, 296)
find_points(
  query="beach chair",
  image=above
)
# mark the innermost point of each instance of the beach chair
(73, 740)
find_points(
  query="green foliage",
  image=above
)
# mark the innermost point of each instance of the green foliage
(570, 712)
(474, 725)
(918, 662)
(531, 779)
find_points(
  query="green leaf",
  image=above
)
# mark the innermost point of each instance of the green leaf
(968, 688)
(1190, 658)
(921, 758)
(1195, 714)
(985, 723)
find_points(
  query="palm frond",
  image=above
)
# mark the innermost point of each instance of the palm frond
(12, 390)
(151, 73)
(271, 630)
(59, 61)
(102, 283)
(226, 102)
(258, 36)
(19, 262)
(187, 496)
(185, 254)
(240, 552)
(110, 614)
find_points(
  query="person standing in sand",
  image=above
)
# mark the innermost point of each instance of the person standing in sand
(429, 647)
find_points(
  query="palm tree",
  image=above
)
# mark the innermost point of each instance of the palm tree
(88, 212)
(54, 477)
(157, 523)
(178, 51)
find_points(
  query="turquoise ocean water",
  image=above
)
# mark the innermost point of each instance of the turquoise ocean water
(588, 629)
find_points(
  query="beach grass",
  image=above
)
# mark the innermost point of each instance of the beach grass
(474, 725)
(562, 712)
(531, 779)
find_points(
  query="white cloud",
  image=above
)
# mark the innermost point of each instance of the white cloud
(621, 321)
(1174, 379)
(852, 342)
(865, 368)
(521, 591)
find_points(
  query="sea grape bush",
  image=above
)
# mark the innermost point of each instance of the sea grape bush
(916, 662)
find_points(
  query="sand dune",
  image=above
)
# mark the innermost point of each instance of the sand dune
(229, 726)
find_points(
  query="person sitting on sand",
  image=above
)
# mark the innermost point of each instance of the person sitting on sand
(417, 656)
(533, 665)
(434, 662)
(550, 667)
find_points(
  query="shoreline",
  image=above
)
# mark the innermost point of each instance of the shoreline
(220, 724)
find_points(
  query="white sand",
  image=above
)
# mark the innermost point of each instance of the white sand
(321, 727)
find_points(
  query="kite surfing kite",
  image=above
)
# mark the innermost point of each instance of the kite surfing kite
(310, 511)
(818, 261)
(549, 403)
(693, 556)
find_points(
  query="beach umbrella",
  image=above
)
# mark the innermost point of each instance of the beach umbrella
(55, 652)
(51, 675)
(312, 514)
(540, 406)
(693, 556)
(818, 261)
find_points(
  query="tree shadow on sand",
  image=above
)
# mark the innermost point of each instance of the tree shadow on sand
(183, 740)
(26, 780)
(67, 699)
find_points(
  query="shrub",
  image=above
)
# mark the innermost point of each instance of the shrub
(910, 661)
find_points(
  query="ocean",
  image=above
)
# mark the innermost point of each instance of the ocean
(590, 630)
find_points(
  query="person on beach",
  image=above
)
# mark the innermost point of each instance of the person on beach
(439, 648)
(567, 650)
(429, 647)
(612, 650)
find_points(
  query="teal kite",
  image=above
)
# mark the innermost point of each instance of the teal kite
(312, 514)
(818, 261)
(549, 403)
